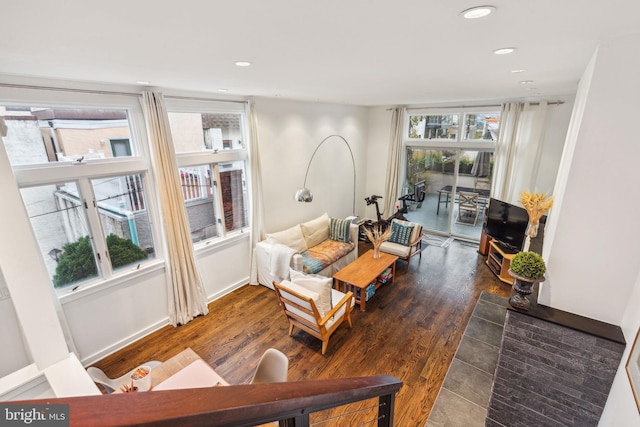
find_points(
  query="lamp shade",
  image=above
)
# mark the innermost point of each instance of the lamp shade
(304, 195)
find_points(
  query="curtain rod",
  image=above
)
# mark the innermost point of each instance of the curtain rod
(109, 92)
(480, 106)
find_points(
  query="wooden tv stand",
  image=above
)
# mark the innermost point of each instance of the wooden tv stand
(499, 262)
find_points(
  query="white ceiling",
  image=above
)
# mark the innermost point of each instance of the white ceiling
(361, 52)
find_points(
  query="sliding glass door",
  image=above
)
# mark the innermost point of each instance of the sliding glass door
(449, 154)
(457, 186)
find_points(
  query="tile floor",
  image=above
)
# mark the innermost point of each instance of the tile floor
(464, 396)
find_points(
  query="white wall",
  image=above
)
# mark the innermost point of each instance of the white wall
(379, 123)
(621, 409)
(592, 245)
(288, 133)
(595, 235)
(10, 335)
(552, 144)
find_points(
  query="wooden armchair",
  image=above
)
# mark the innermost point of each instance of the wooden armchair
(300, 306)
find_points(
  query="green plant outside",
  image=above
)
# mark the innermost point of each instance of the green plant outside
(123, 251)
(418, 167)
(529, 265)
(77, 261)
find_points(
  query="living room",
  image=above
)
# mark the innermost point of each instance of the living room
(580, 273)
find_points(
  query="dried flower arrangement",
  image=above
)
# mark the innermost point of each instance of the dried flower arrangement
(376, 235)
(536, 205)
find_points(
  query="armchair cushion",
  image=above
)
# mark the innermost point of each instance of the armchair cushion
(339, 230)
(401, 233)
(318, 284)
(304, 292)
(402, 251)
(302, 311)
(316, 231)
(291, 237)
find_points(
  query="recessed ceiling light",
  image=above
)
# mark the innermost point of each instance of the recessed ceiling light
(143, 82)
(223, 90)
(517, 71)
(526, 82)
(243, 63)
(504, 50)
(477, 12)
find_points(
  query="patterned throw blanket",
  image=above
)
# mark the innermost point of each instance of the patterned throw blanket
(315, 259)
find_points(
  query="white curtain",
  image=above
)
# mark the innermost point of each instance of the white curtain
(257, 202)
(518, 150)
(391, 191)
(186, 293)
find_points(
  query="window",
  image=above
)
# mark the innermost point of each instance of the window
(436, 126)
(83, 183)
(481, 126)
(477, 125)
(211, 154)
(55, 134)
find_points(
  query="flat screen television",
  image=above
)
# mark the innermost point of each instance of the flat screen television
(506, 223)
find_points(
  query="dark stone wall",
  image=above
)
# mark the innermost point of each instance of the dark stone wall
(551, 375)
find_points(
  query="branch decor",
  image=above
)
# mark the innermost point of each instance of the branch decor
(376, 236)
(536, 205)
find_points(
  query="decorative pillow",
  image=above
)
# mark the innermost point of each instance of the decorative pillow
(417, 228)
(316, 231)
(318, 284)
(302, 291)
(339, 230)
(291, 237)
(401, 234)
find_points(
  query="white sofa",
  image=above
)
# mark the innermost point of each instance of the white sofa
(305, 247)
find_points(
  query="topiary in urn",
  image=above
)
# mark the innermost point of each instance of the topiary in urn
(527, 268)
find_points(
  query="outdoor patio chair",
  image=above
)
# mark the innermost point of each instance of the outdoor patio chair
(468, 208)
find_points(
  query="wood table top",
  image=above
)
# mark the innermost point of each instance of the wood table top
(365, 269)
(174, 365)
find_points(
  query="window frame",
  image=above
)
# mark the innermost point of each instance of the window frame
(51, 173)
(215, 157)
(458, 142)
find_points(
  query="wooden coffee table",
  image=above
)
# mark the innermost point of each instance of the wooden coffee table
(362, 272)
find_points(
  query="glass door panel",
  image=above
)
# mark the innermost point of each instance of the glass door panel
(472, 193)
(435, 170)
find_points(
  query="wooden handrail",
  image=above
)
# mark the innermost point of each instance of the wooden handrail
(233, 406)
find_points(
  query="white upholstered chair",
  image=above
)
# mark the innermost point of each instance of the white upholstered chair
(272, 367)
(405, 240)
(112, 384)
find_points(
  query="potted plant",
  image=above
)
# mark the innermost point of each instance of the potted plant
(527, 268)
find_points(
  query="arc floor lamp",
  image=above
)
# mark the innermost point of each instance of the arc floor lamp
(305, 195)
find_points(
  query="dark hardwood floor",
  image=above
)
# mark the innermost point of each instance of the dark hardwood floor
(411, 330)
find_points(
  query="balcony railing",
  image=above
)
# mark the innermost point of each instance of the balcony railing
(288, 403)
